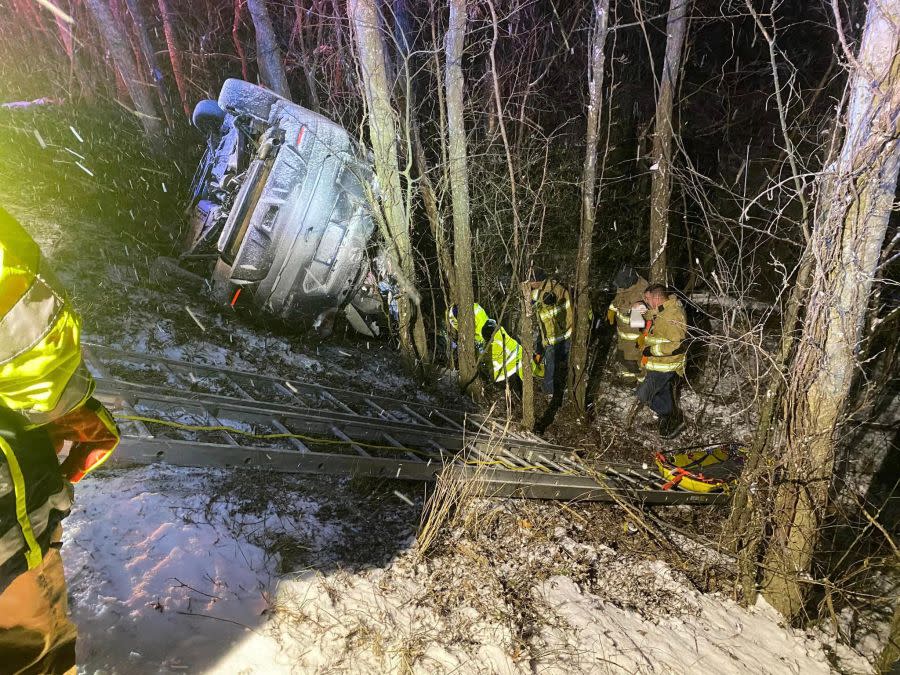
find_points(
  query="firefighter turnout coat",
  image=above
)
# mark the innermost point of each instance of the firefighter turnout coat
(45, 400)
(553, 306)
(620, 314)
(664, 338)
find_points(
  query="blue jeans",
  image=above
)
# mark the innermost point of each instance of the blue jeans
(556, 361)
(656, 392)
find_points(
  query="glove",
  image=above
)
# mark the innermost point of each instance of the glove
(93, 434)
(646, 352)
(640, 341)
(611, 316)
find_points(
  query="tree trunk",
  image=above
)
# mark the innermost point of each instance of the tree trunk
(433, 214)
(459, 186)
(268, 55)
(518, 248)
(526, 331)
(383, 135)
(65, 37)
(236, 39)
(148, 51)
(582, 300)
(855, 198)
(114, 37)
(661, 189)
(745, 521)
(298, 34)
(169, 20)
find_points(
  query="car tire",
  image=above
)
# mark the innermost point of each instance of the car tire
(208, 117)
(243, 97)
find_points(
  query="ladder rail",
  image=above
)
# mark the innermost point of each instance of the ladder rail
(400, 440)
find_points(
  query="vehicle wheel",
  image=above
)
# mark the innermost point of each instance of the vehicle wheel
(208, 117)
(243, 97)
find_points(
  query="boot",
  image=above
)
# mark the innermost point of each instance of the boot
(671, 425)
(663, 425)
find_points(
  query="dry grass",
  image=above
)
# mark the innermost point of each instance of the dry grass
(449, 504)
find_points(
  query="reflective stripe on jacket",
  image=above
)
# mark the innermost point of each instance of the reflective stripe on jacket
(42, 376)
(481, 318)
(506, 355)
(45, 401)
(43, 379)
(622, 304)
(556, 319)
(665, 339)
(34, 497)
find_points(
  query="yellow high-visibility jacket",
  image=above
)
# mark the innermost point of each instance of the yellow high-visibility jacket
(42, 376)
(481, 318)
(665, 337)
(556, 318)
(506, 355)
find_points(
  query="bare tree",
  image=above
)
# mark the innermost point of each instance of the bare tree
(169, 20)
(268, 55)
(114, 37)
(582, 299)
(518, 248)
(307, 64)
(236, 39)
(148, 51)
(661, 190)
(383, 135)
(854, 202)
(459, 185)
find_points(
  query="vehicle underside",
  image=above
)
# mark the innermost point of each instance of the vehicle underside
(280, 212)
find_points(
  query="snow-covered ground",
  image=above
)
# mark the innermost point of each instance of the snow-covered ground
(165, 578)
(201, 571)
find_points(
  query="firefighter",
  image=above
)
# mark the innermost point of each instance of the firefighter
(552, 303)
(481, 318)
(45, 406)
(503, 356)
(663, 342)
(630, 287)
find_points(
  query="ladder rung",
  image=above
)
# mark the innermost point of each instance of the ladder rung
(344, 437)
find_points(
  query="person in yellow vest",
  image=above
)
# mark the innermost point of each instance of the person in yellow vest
(552, 303)
(630, 287)
(481, 318)
(503, 356)
(45, 406)
(663, 356)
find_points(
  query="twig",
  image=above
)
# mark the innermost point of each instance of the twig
(219, 618)
(184, 585)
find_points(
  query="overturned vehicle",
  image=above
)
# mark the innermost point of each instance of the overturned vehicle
(279, 213)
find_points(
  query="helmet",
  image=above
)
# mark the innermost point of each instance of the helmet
(626, 277)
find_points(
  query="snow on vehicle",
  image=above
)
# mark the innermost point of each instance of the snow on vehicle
(279, 214)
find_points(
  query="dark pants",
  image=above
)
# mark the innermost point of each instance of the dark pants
(556, 372)
(657, 392)
(556, 361)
